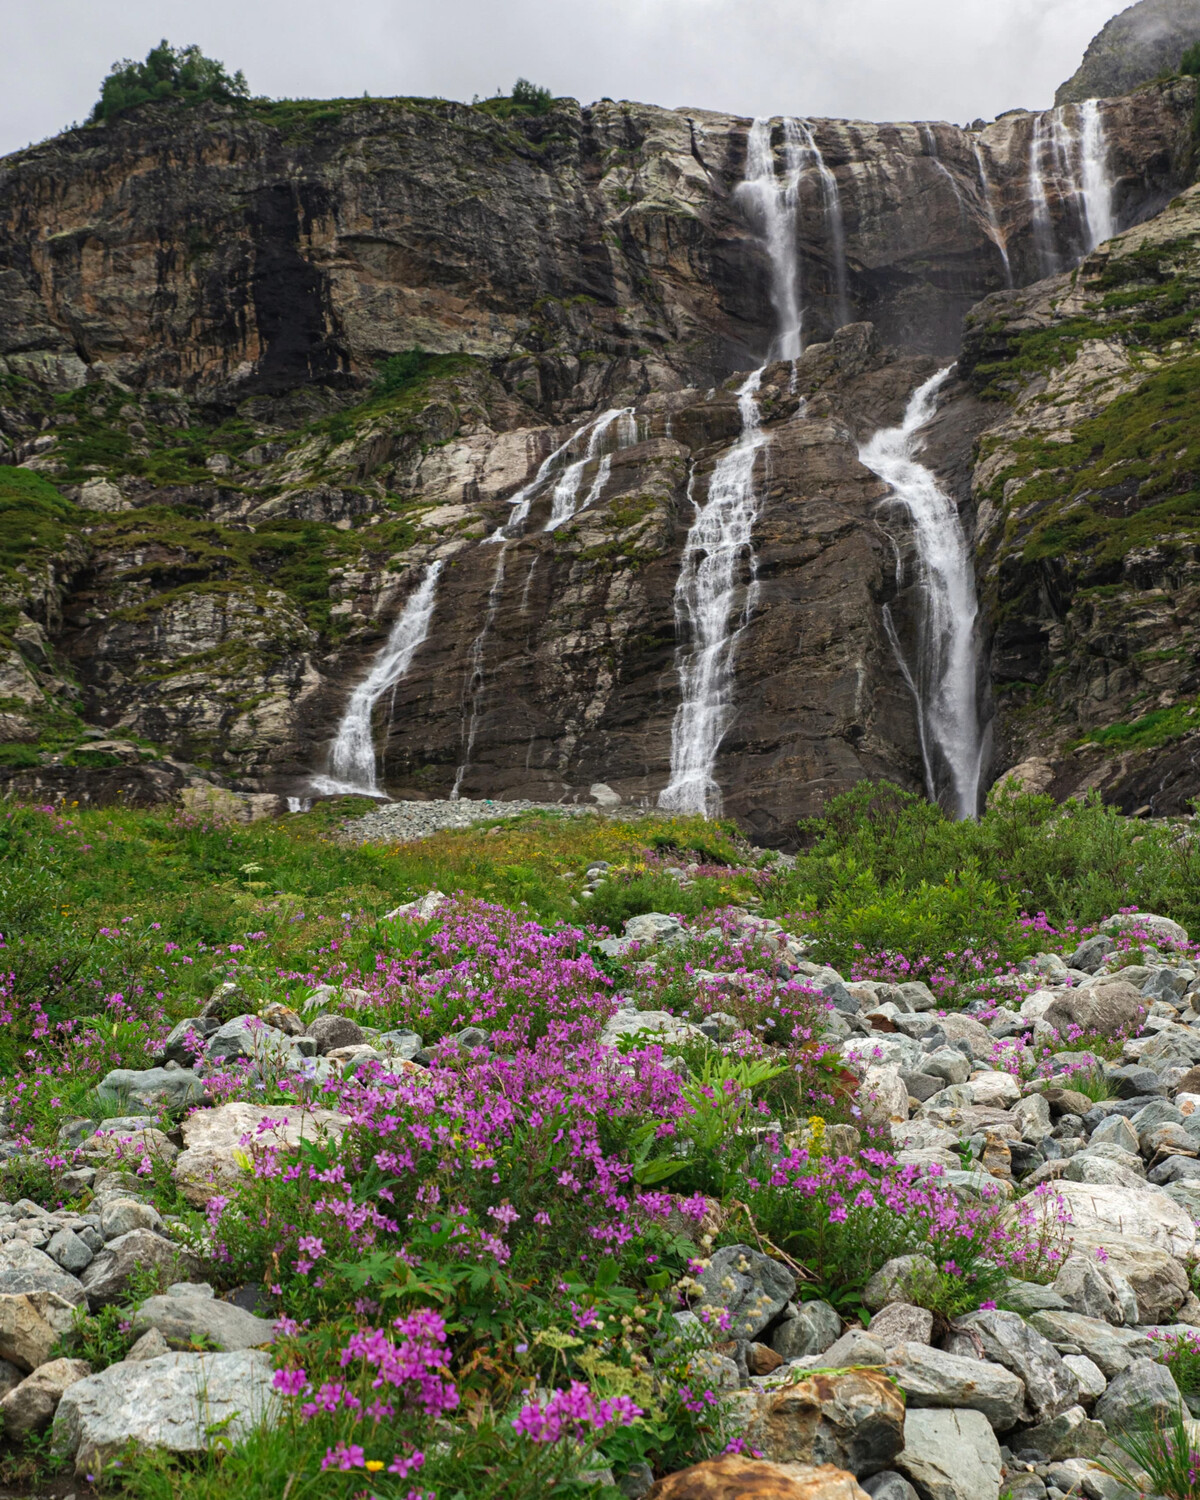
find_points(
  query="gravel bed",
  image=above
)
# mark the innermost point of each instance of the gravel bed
(404, 822)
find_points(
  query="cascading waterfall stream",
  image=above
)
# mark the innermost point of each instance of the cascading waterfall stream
(774, 206)
(1071, 143)
(706, 603)
(565, 500)
(801, 150)
(944, 677)
(473, 688)
(352, 761)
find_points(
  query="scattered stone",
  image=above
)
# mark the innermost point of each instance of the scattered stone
(69, 1251)
(330, 1032)
(950, 1455)
(1110, 1348)
(120, 1215)
(188, 1318)
(214, 1156)
(1092, 1383)
(170, 1088)
(750, 1286)
(888, 1485)
(1071, 1434)
(30, 1406)
(855, 1348)
(1007, 1339)
(930, 1377)
(109, 1275)
(901, 1323)
(811, 1328)
(897, 1279)
(149, 1346)
(1143, 1390)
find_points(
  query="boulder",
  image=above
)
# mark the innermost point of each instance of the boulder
(851, 1418)
(330, 1032)
(961, 1028)
(882, 1097)
(1107, 1007)
(69, 1251)
(1091, 953)
(185, 1043)
(1096, 1291)
(654, 1028)
(182, 1403)
(185, 1319)
(1092, 1383)
(109, 1275)
(1159, 928)
(950, 1455)
(1007, 1339)
(901, 1323)
(25, 1269)
(214, 1155)
(119, 1215)
(654, 927)
(732, 1477)
(930, 1377)
(750, 1286)
(854, 1348)
(1143, 1390)
(808, 1329)
(30, 1406)
(1071, 1434)
(31, 1323)
(149, 1346)
(167, 1088)
(1102, 1215)
(1112, 1349)
(888, 1485)
(249, 1039)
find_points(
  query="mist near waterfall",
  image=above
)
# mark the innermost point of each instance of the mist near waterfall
(864, 59)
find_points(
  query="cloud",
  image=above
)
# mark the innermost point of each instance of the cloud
(866, 59)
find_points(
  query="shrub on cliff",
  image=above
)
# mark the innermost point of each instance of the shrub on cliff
(530, 99)
(168, 73)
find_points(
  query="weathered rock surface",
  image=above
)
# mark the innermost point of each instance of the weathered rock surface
(732, 1477)
(175, 1402)
(853, 1419)
(950, 1455)
(30, 1406)
(1140, 43)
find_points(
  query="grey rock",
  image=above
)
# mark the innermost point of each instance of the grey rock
(930, 1377)
(178, 1402)
(901, 1323)
(247, 1038)
(184, 1319)
(1091, 953)
(854, 1348)
(652, 928)
(186, 1040)
(69, 1251)
(172, 1088)
(950, 1455)
(918, 995)
(24, 1269)
(107, 1278)
(1165, 984)
(1007, 1339)
(10, 1377)
(149, 1346)
(1071, 1434)
(921, 1086)
(1110, 1348)
(1133, 1081)
(399, 1044)
(948, 1063)
(1117, 1130)
(1175, 1169)
(331, 1031)
(120, 1215)
(813, 1328)
(888, 1485)
(1090, 1376)
(1143, 1390)
(190, 1289)
(1025, 1297)
(1096, 1291)
(896, 1280)
(749, 1285)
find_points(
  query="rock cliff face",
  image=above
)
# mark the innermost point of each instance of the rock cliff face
(1141, 43)
(226, 510)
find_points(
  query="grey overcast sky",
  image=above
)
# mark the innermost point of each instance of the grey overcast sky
(866, 59)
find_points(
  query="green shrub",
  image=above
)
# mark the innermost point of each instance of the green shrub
(530, 99)
(400, 371)
(1189, 63)
(182, 73)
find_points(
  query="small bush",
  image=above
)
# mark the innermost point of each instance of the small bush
(182, 73)
(1189, 63)
(400, 371)
(531, 99)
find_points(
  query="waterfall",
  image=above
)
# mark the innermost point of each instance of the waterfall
(929, 140)
(989, 209)
(352, 756)
(944, 677)
(709, 596)
(564, 503)
(831, 200)
(773, 205)
(473, 686)
(1095, 178)
(1077, 154)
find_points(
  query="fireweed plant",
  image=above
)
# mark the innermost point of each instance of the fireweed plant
(478, 1273)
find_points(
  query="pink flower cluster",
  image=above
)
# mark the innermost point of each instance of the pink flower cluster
(573, 1414)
